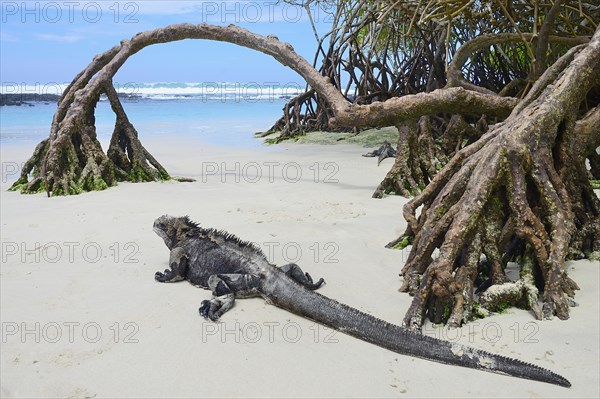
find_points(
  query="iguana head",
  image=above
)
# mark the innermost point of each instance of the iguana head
(174, 229)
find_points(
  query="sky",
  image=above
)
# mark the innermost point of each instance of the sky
(45, 42)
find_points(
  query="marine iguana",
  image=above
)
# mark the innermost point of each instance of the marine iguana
(232, 268)
(385, 151)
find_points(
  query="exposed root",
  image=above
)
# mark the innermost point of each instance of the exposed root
(32, 169)
(74, 161)
(423, 149)
(498, 195)
(132, 161)
(302, 113)
(522, 293)
(405, 177)
(465, 277)
(520, 191)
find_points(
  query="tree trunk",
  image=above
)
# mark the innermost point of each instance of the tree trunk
(522, 190)
(423, 148)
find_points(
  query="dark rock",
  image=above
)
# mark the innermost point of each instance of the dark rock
(19, 99)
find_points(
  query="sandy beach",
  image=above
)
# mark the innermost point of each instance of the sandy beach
(82, 316)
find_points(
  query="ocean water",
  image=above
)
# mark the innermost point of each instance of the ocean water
(215, 113)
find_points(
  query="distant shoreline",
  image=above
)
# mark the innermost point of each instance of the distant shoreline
(26, 99)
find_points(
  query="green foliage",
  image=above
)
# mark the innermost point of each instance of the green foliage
(447, 311)
(501, 306)
(19, 184)
(371, 138)
(440, 211)
(478, 312)
(405, 242)
(139, 173)
(408, 187)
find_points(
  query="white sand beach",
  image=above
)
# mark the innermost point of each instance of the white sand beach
(82, 316)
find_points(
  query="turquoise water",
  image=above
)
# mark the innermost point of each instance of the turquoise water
(222, 121)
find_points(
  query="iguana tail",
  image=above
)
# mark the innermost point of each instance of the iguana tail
(343, 318)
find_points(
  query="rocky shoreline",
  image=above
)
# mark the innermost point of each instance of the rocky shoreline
(25, 99)
(29, 99)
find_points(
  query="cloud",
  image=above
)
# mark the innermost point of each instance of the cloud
(7, 37)
(226, 11)
(49, 37)
(176, 7)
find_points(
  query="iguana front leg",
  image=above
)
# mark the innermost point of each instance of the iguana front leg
(178, 261)
(225, 288)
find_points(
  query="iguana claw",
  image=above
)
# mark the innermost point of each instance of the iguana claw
(206, 311)
(159, 276)
(214, 308)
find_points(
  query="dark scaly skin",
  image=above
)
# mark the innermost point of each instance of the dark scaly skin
(232, 268)
(385, 151)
